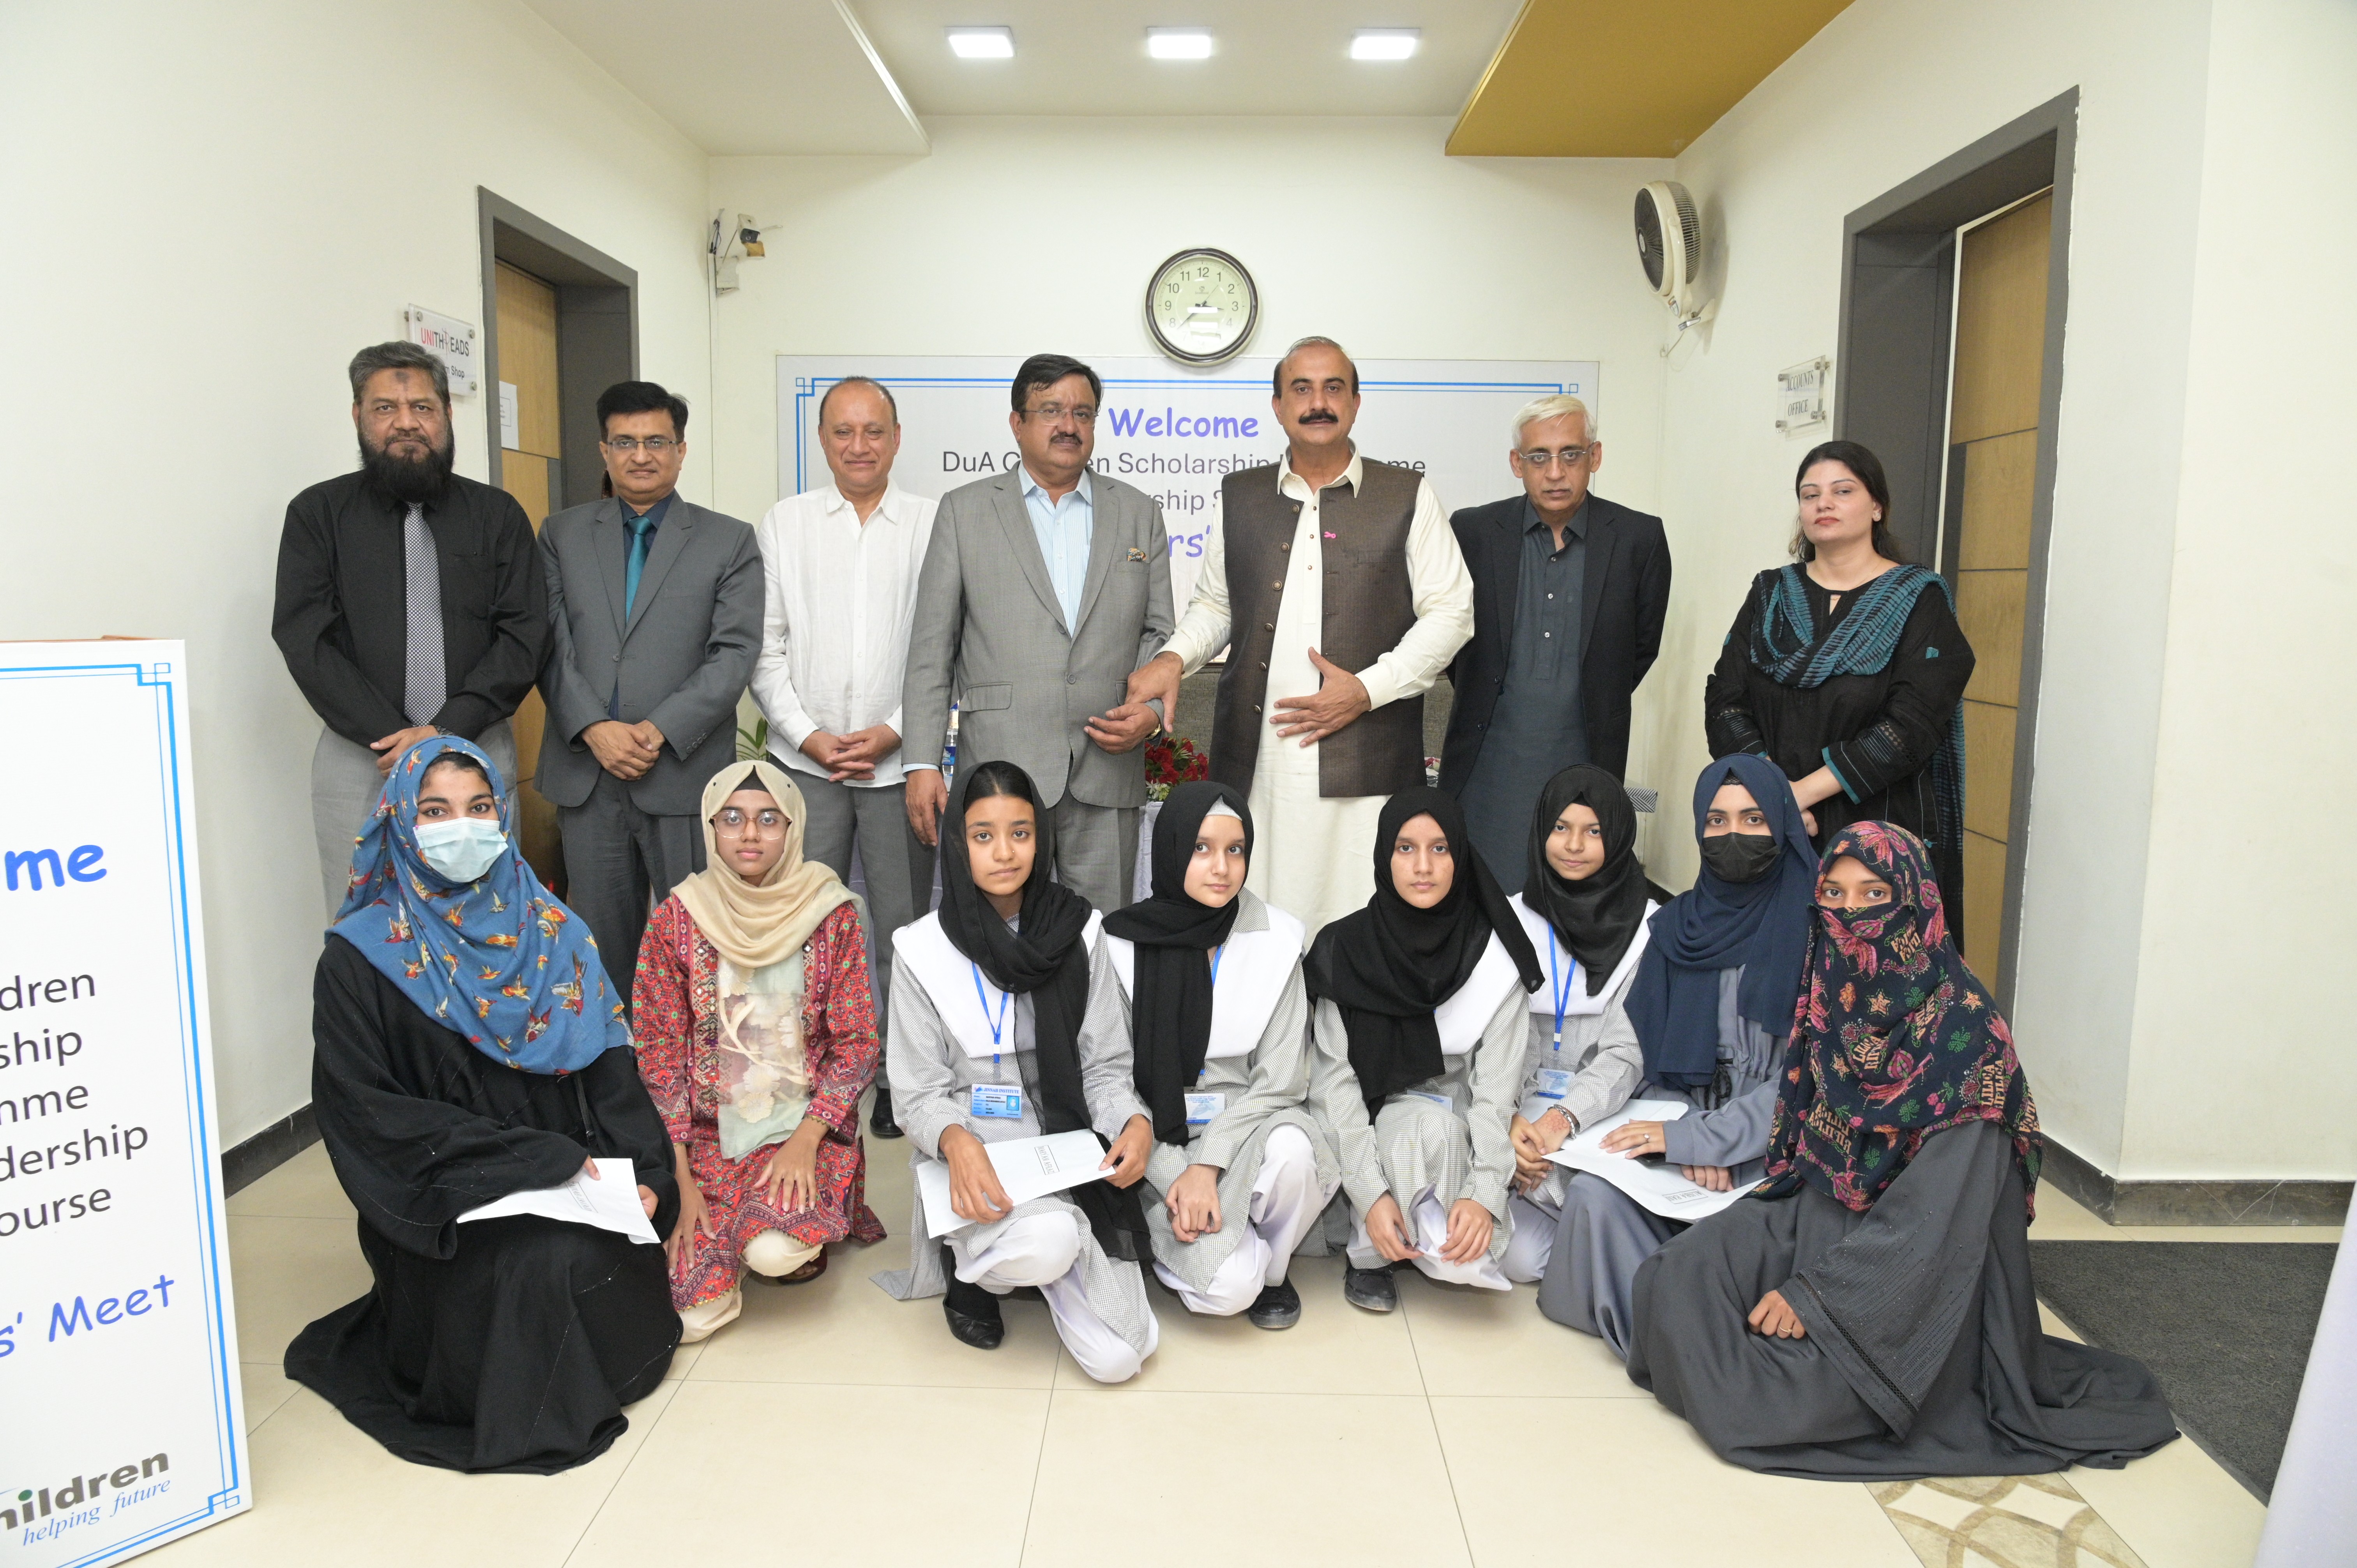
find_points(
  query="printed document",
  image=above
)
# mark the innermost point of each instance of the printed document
(610, 1203)
(1027, 1167)
(1653, 1183)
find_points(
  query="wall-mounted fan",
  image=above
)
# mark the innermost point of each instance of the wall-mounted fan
(1669, 245)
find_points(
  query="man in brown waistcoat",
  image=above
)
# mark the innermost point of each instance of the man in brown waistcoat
(1344, 594)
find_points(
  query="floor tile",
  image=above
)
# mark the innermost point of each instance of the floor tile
(2176, 1508)
(325, 1492)
(1472, 1341)
(1535, 1476)
(1335, 1349)
(1341, 1478)
(759, 1473)
(266, 1386)
(288, 1273)
(304, 1187)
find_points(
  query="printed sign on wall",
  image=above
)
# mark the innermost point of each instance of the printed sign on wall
(118, 1367)
(1176, 434)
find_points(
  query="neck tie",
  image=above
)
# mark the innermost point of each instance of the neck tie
(641, 528)
(423, 690)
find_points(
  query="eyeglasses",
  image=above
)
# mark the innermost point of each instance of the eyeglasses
(656, 445)
(1053, 413)
(732, 824)
(1571, 457)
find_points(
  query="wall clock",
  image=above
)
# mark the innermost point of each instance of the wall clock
(1201, 307)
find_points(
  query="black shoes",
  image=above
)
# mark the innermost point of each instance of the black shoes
(880, 1119)
(973, 1311)
(1279, 1306)
(1370, 1289)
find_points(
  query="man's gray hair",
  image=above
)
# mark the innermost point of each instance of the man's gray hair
(399, 356)
(1276, 376)
(1554, 406)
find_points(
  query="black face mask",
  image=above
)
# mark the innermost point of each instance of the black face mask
(1741, 857)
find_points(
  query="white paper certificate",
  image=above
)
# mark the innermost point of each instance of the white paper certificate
(610, 1203)
(1658, 1188)
(1027, 1167)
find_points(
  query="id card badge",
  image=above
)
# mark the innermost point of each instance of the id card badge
(1202, 1108)
(1440, 1099)
(998, 1100)
(1555, 1082)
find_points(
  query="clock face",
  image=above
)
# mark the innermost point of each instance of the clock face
(1201, 307)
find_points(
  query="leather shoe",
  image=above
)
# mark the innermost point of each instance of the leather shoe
(972, 1313)
(1371, 1289)
(880, 1117)
(1277, 1306)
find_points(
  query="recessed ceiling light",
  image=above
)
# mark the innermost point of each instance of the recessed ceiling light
(1384, 43)
(982, 43)
(1178, 43)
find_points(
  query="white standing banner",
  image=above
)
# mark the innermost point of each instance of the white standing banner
(1176, 434)
(123, 1426)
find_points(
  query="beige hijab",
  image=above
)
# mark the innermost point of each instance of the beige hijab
(757, 925)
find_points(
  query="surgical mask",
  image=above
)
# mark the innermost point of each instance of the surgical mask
(1741, 857)
(461, 850)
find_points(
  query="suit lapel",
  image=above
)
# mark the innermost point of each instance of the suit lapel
(1595, 565)
(670, 540)
(1014, 518)
(1104, 539)
(1508, 584)
(611, 540)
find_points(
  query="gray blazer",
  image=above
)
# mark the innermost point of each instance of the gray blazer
(682, 660)
(989, 630)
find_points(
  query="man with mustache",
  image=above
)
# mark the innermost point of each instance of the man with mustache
(1042, 588)
(1340, 594)
(409, 601)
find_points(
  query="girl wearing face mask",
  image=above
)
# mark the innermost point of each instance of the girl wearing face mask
(1711, 1003)
(1202, 983)
(467, 1047)
(1874, 1317)
(1583, 905)
(1420, 1034)
(756, 1034)
(992, 1039)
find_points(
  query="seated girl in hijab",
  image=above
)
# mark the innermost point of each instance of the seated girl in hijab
(1202, 982)
(1711, 1003)
(1420, 1036)
(1869, 1313)
(989, 1006)
(467, 1045)
(756, 1034)
(1584, 904)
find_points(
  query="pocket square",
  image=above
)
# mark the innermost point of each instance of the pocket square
(1138, 556)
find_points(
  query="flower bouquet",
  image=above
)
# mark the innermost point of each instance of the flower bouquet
(1172, 759)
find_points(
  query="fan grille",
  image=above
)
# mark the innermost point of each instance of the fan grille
(1691, 226)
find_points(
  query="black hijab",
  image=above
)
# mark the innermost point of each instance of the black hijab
(1597, 918)
(1046, 960)
(1389, 965)
(1170, 1011)
(1763, 926)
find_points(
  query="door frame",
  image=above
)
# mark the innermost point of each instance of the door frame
(1891, 373)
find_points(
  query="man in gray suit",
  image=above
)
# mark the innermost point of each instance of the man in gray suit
(654, 610)
(1042, 588)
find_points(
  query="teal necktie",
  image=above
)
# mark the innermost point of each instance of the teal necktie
(641, 528)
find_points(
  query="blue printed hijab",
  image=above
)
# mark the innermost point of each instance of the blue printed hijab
(498, 960)
(1761, 927)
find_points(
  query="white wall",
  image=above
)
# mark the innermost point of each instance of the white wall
(2124, 980)
(210, 208)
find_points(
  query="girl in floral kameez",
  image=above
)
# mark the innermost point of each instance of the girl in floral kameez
(756, 1038)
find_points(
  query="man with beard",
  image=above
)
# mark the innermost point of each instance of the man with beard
(1340, 593)
(1042, 588)
(409, 602)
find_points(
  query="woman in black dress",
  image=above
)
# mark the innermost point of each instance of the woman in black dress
(1848, 670)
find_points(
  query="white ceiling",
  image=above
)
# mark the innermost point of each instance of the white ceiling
(843, 76)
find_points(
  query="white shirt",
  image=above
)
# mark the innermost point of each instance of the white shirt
(841, 603)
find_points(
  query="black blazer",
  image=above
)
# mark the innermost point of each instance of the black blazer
(1625, 595)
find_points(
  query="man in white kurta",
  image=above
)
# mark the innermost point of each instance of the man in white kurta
(1315, 858)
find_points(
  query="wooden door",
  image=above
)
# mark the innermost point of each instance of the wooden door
(525, 317)
(1993, 434)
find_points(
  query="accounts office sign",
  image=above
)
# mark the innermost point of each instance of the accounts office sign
(1176, 434)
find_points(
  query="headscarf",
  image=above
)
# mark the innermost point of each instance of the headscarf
(1048, 961)
(753, 925)
(1170, 1008)
(1388, 966)
(1895, 1039)
(498, 960)
(1761, 927)
(1597, 918)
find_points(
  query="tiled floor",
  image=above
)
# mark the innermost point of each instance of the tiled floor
(1464, 1429)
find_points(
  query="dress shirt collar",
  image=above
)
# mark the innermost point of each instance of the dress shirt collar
(1292, 484)
(1032, 487)
(1577, 528)
(654, 514)
(891, 506)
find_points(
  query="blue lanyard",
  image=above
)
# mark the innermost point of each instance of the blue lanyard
(1560, 988)
(998, 1029)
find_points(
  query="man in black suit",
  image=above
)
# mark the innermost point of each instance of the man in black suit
(1569, 590)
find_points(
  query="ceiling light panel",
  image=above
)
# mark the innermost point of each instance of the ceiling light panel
(1385, 43)
(982, 43)
(1178, 43)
